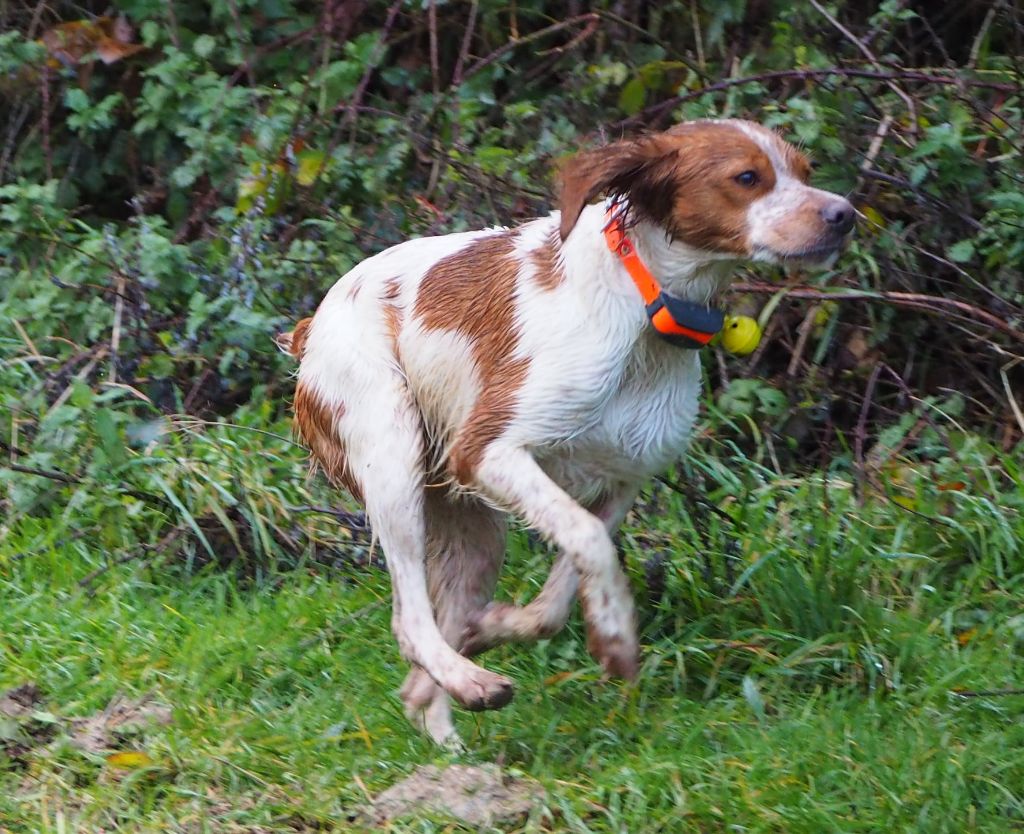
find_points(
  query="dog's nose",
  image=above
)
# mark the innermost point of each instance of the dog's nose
(839, 216)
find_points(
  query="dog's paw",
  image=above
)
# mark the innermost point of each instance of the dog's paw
(483, 630)
(418, 690)
(618, 655)
(481, 690)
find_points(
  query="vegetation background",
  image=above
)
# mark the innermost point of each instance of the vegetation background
(195, 639)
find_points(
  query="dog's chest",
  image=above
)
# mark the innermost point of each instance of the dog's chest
(637, 429)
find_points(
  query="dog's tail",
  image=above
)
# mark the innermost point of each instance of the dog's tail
(294, 341)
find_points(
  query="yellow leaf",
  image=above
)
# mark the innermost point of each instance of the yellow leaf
(130, 760)
(824, 313)
(905, 501)
(310, 166)
(266, 181)
(965, 637)
(874, 216)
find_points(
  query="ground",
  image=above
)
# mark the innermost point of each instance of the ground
(830, 665)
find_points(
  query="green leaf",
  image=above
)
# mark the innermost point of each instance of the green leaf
(961, 252)
(110, 438)
(185, 514)
(633, 96)
(76, 99)
(204, 46)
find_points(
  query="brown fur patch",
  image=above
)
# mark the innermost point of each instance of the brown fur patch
(612, 653)
(393, 312)
(472, 292)
(294, 341)
(392, 288)
(683, 180)
(352, 293)
(797, 161)
(549, 269)
(317, 425)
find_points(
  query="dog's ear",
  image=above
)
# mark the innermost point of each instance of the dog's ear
(638, 169)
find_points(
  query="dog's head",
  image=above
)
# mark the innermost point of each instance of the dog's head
(730, 188)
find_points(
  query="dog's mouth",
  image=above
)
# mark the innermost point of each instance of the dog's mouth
(822, 256)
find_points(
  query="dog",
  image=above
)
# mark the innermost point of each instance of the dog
(543, 371)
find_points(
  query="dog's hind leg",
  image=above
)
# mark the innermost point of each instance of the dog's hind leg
(546, 614)
(465, 550)
(383, 435)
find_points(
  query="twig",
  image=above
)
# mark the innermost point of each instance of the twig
(591, 19)
(861, 433)
(923, 196)
(353, 107)
(1014, 407)
(41, 473)
(876, 144)
(81, 375)
(172, 20)
(882, 24)
(44, 80)
(74, 480)
(978, 38)
(985, 693)
(435, 69)
(87, 580)
(655, 110)
(867, 53)
(803, 333)
(670, 51)
(925, 415)
(905, 299)
(115, 335)
(26, 338)
(353, 521)
(696, 497)
(467, 40)
(266, 49)
(697, 37)
(248, 65)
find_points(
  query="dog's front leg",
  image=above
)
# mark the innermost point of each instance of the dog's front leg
(546, 614)
(511, 477)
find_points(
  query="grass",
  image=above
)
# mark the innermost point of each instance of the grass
(811, 664)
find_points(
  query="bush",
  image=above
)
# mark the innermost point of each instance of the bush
(180, 182)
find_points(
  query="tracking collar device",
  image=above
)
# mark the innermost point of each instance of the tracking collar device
(685, 324)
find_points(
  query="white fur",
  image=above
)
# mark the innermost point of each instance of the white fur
(605, 404)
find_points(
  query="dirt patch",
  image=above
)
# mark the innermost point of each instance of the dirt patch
(103, 731)
(23, 726)
(475, 796)
(20, 701)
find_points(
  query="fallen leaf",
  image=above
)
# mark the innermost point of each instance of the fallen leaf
(130, 759)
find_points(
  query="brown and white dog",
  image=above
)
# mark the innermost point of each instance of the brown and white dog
(452, 380)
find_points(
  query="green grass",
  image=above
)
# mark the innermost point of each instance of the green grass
(801, 671)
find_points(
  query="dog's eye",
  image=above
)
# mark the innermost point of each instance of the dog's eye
(747, 178)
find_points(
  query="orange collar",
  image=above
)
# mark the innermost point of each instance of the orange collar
(683, 323)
